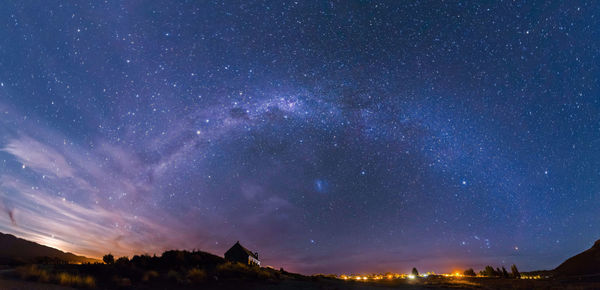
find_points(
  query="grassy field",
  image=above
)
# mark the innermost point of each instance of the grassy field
(200, 270)
(484, 283)
(12, 284)
(10, 281)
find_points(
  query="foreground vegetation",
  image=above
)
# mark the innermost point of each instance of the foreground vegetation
(200, 270)
(42, 274)
(173, 268)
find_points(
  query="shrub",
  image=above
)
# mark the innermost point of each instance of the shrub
(32, 272)
(108, 259)
(67, 279)
(196, 275)
(122, 261)
(149, 275)
(174, 276)
(232, 270)
(122, 282)
(265, 274)
(324, 276)
(142, 261)
(89, 281)
(242, 271)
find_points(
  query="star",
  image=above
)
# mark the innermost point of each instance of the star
(265, 121)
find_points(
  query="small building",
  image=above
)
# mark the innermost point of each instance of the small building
(237, 253)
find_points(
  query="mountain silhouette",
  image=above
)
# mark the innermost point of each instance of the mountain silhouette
(13, 249)
(585, 263)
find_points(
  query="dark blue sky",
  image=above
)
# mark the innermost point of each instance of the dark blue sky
(329, 136)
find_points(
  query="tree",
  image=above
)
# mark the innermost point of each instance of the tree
(415, 272)
(489, 271)
(122, 261)
(515, 272)
(504, 272)
(108, 259)
(469, 272)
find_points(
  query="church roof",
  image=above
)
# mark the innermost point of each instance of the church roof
(239, 246)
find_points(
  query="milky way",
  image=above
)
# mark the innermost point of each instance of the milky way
(328, 136)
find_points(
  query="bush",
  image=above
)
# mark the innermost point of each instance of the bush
(67, 279)
(122, 261)
(241, 271)
(89, 282)
(108, 259)
(32, 272)
(143, 261)
(265, 274)
(121, 282)
(174, 276)
(324, 276)
(196, 275)
(232, 270)
(149, 275)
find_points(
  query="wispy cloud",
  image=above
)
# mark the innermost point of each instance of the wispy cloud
(103, 198)
(84, 201)
(39, 157)
(91, 230)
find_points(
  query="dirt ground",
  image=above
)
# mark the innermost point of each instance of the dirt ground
(25, 285)
(7, 283)
(443, 283)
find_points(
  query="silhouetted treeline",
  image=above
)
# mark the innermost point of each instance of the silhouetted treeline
(489, 271)
(469, 272)
(168, 260)
(179, 267)
(37, 260)
(184, 269)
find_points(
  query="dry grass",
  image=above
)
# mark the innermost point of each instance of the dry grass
(150, 275)
(174, 276)
(34, 273)
(67, 279)
(196, 275)
(242, 271)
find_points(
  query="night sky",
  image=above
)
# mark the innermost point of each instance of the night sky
(333, 137)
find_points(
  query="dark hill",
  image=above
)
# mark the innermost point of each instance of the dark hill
(13, 249)
(585, 263)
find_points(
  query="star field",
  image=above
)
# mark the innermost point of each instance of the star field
(329, 136)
